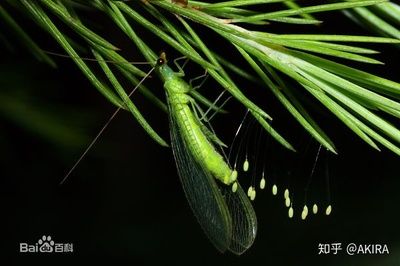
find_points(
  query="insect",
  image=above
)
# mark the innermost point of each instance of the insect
(219, 203)
(223, 211)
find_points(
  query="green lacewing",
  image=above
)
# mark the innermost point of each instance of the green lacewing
(217, 200)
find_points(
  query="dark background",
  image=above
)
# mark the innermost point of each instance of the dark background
(124, 202)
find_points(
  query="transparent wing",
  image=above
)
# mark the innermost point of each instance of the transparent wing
(244, 220)
(201, 191)
(227, 218)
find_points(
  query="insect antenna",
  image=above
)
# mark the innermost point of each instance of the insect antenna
(96, 60)
(104, 127)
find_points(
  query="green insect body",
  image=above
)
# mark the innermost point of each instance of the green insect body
(216, 198)
(202, 149)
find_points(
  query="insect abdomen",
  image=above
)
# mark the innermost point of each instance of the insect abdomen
(196, 140)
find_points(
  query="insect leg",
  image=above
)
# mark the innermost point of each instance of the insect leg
(197, 109)
(203, 77)
(181, 73)
(219, 108)
(208, 131)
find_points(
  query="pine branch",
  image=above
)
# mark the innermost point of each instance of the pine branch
(357, 98)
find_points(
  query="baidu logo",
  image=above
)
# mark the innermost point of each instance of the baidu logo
(45, 245)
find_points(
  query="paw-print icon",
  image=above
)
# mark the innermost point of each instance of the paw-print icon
(46, 244)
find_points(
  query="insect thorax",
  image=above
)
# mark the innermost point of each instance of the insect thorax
(176, 86)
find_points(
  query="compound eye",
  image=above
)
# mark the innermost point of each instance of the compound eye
(160, 61)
